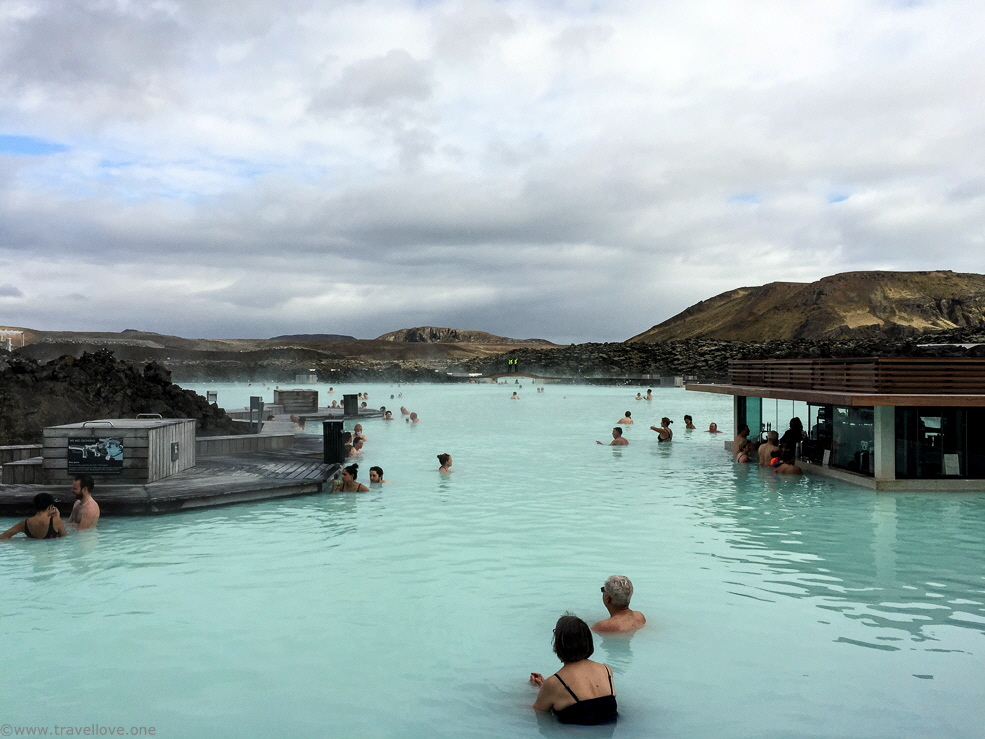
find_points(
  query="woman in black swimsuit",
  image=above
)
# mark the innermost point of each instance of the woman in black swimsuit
(664, 433)
(581, 691)
(348, 482)
(46, 523)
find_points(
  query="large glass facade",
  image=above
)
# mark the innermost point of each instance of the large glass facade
(935, 442)
(853, 439)
(765, 414)
(845, 433)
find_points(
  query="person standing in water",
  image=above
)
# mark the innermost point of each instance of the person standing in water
(445, 461)
(85, 512)
(617, 438)
(616, 594)
(664, 432)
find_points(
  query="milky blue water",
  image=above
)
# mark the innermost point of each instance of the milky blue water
(776, 607)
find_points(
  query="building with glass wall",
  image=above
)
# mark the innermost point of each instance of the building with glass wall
(894, 423)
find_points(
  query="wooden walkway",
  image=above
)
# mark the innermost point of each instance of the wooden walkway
(213, 481)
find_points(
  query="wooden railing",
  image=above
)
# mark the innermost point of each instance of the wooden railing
(920, 375)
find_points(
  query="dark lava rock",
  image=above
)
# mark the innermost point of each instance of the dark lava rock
(95, 385)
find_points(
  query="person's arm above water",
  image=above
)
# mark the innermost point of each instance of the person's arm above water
(545, 696)
(17, 528)
(56, 520)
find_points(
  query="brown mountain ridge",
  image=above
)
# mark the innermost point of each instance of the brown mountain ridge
(850, 304)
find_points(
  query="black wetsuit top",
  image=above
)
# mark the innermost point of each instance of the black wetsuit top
(52, 534)
(594, 711)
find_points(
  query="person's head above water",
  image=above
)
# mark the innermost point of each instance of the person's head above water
(619, 589)
(572, 639)
(376, 474)
(444, 459)
(43, 501)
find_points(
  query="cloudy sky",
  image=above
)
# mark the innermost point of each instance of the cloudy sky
(573, 170)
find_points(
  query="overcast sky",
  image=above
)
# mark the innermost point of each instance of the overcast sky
(569, 170)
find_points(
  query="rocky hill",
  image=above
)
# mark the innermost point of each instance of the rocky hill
(275, 360)
(847, 305)
(436, 335)
(708, 359)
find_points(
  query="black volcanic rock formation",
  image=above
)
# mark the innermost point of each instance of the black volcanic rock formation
(95, 385)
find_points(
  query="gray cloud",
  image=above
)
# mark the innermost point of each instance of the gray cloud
(565, 171)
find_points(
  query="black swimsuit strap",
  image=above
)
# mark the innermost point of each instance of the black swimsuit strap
(611, 691)
(567, 688)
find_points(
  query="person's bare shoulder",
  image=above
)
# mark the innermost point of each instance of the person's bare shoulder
(605, 627)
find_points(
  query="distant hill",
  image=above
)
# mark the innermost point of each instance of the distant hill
(845, 305)
(312, 337)
(436, 335)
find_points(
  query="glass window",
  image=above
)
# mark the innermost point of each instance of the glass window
(852, 439)
(940, 442)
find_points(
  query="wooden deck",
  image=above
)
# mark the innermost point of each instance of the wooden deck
(213, 481)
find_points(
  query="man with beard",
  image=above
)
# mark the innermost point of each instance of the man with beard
(85, 512)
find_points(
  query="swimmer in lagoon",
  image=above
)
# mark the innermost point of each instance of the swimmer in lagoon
(769, 448)
(745, 453)
(348, 482)
(388, 416)
(617, 438)
(649, 395)
(356, 448)
(626, 419)
(85, 511)
(616, 594)
(639, 396)
(688, 423)
(514, 396)
(412, 418)
(44, 523)
(446, 462)
(581, 692)
(376, 476)
(713, 429)
(786, 464)
(664, 432)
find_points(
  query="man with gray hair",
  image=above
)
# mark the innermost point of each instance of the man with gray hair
(616, 594)
(769, 449)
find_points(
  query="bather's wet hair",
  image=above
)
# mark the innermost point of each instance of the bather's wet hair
(628, 414)
(443, 458)
(86, 482)
(42, 501)
(352, 469)
(619, 589)
(665, 421)
(377, 470)
(572, 639)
